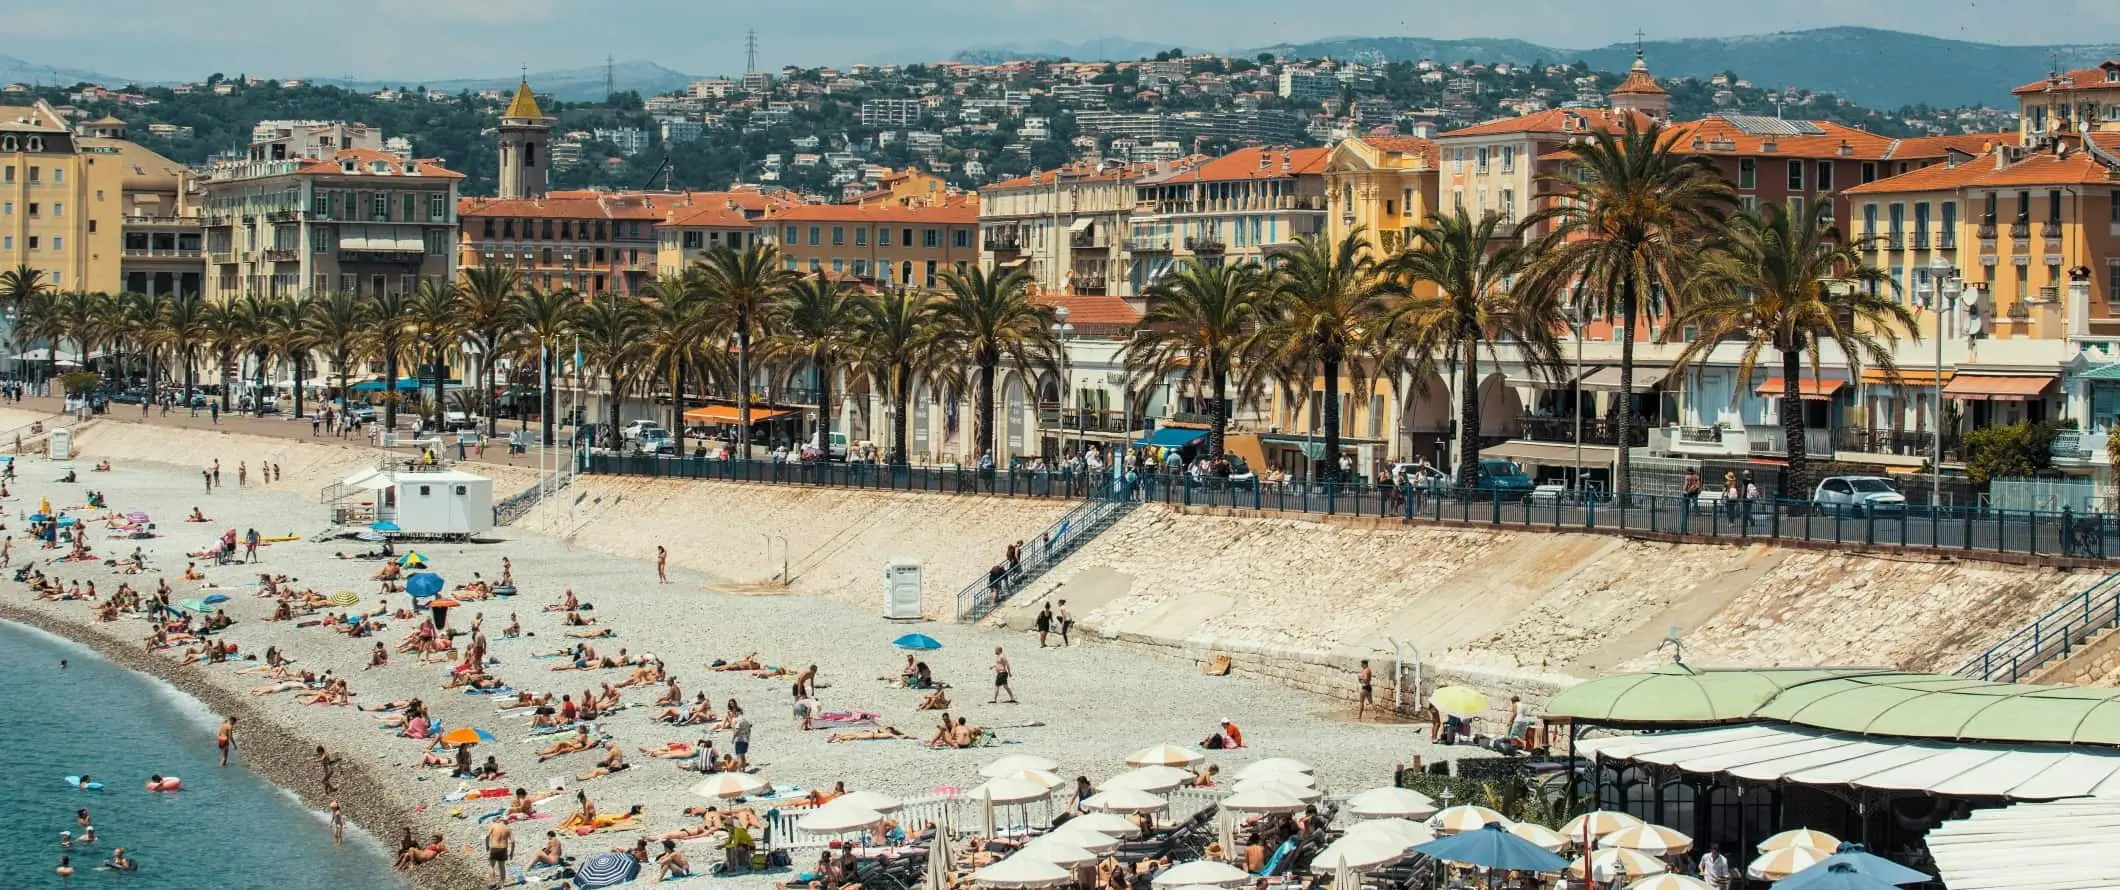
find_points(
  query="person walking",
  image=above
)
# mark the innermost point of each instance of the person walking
(662, 564)
(1715, 869)
(500, 847)
(217, 471)
(1062, 622)
(250, 545)
(1044, 624)
(214, 409)
(1691, 487)
(226, 738)
(1001, 673)
(1365, 693)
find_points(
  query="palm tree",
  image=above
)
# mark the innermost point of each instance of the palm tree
(741, 288)
(1774, 281)
(389, 322)
(287, 330)
(140, 324)
(338, 325)
(812, 324)
(1631, 223)
(541, 317)
(897, 338)
(678, 338)
(18, 286)
(990, 319)
(437, 322)
(249, 331)
(1326, 306)
(483, 300)
(44, 316)
(612, 332)
(1203, 319)
(188, 324)
(1472, 309)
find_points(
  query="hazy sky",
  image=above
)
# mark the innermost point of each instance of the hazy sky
(409, 40)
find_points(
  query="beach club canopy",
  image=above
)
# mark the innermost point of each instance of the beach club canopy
(1007, 790)
(830, 820)
(917, 642)
(1403, 803)
(1156, 779)
(606, 870)
(1491, 847)
(406, 384)
(2064, 845)
(1853, 857)
(1403, 832)
(1127, 800)
(1165, 755)
(1018, 763)
(728, 786)
(423, 584)
(1200, 873)
(1020, 871)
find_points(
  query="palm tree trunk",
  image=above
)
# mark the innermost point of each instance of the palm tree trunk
(743, 385)
(1623, 403)
(191, 378)
(485, 382)
(983, 420)
(299, 381)
(677, 398)
(824, 404)
(390, 388)
(1218, 413)
(1469, 420)
(151, 374)
(1792, 422)
(441, 378)
(901, 402)
(223, 377)
(257, 396)
(1332, 420)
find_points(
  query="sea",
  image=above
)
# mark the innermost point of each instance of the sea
(226, 830)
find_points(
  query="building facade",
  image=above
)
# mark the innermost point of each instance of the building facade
(1382, 185)
(590, 242)
(1066, 227)
(357, 220)
(904, 245)
(1231, 209)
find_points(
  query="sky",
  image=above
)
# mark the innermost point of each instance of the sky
(413, 40)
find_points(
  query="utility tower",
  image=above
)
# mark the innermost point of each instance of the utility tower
(750, 51)
(610, 76)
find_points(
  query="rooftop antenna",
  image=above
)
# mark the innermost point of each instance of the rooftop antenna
(750, 51)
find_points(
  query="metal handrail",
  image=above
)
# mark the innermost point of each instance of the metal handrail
(1067, 533)
(2049, 637)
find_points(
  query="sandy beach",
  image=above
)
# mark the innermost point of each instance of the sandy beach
(1085, 706)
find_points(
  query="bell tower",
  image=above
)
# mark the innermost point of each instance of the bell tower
(526, 151)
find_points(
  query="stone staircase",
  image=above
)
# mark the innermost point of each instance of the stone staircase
(2051, 637)
(1080, 526)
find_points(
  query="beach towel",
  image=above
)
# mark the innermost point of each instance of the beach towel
(498, 690)
(845, 719)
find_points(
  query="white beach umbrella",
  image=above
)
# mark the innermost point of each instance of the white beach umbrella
(1600, 822)
(1783, 862)
(1404, 803)
(1057, 851)
(1669, 881)
(1087, 838)
(1545, 838)
(1357, 852)
(1303, 793)
(1007, 790)
(1300, 780)
(1654, 840)
(1110, 823)
(1157, 779)
(1605, 863)
(1800, 837)
(1201, 872)
(1126, 800)
(1039, 776)
(728, 786)
(1262, 799)
(941, 859)
(1018, 762)
(1165, 755)
(1404, 832)
(1022, 872)
(1464, 817)
(1273, 765)
(827, 820)
(869, 800)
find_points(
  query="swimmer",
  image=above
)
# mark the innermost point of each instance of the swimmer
(118, 861)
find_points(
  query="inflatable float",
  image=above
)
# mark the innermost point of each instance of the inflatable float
(91, 785)
(164, 783)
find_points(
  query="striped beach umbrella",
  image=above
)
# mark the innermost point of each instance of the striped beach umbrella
(606, 870)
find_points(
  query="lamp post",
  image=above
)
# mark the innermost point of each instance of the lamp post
(1947, 291)
(1066, 333)
(1575, 323)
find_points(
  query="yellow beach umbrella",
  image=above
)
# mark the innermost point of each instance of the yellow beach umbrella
(1600, 822)
(1654, 840)
(1459, 701)
(1618, 860)
(1800, 837)
(1545, 838)
(1778, 864)
(1465, 817)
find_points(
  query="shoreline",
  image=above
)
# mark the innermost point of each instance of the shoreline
(275, 752)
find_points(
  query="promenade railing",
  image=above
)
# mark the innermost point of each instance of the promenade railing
(1973, 529)
(2050, 637)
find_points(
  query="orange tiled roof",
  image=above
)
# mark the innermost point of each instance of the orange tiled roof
(2079, 79)
(712, 211)
(1939, 146)
(1638, 82)
(570, 205)
(1093, 309)
(1558, 121)
(524, 105)
(1705, 135)
(1255, 163)
(366, 159)
(1086, 171)
(1422, 149)
(953, 212)
(2043, 168)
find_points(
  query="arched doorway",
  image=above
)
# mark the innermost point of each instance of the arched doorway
(1426, 418)
(1501, 410)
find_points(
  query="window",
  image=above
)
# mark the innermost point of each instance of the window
(32, 242)
(1795, 176)
(1947, 237)
(1749, 202)
(1480, 163)
(1921, 225)
(1508, 158)
(861, 267)
(839, 236)
(788, 236)
(960, 237)
(2053, 207)
(1747, 173)
(319, 239)
(412, 206)
(861, 236)
(58, 242)
(381, 208)
(816, 265)
(33, 208)
(1898, 231)
(489, 229)
(1508, 203)
(36, 174)
(816, 235)
(883, 237)
(320, 204)
(7, 242)
(2112, 281)
(930, 238)
(438, 208)
(930, 273)
(91, 227)
(1457, 199)
(59, 208)
(1825, 176)
(694, 240)
(437, 243)
(2024, 206)
(839, 266)
(58, 175)
(1869, 220)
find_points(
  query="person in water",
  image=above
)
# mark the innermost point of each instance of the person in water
(118, 861)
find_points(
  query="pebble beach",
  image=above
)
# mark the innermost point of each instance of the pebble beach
(1085, 706)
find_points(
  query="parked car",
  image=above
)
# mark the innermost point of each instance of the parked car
(656, 440)
(633, 428)
(1504, 476)
(1860, 494)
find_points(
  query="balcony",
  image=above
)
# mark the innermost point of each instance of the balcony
(379, 257)
(2073, 448)
(1769, 441)
(161, 253)
(1085, 238)
(1946, 238)
(1208, 244)
(1089, 284)
(1009, 243)
(280, 216)
(2050, 293)
(1895, 242)
(1053, 419)
(1149, 244)
(2020, 231)
(190, 222)
(221, 258)
(1921, 240)
(1987, 230)
(281, 255)
(2050, 230)
(1596, 431)
(1902, 443)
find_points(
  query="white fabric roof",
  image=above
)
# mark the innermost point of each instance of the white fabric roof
(1763, 753)
(2064, 845)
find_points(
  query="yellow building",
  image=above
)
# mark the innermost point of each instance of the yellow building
(91, 210)
(2083, 100)
(906, 245)
(904, 187)
(1382, 184)
(702, 223)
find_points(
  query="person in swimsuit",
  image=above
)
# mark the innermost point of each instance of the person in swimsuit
(552, 854)
(1367, 697)
(1001, 672)
(338, 825)
(500, 847)
(226, 738)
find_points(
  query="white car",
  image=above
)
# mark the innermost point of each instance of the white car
(1860, 494)
(634, 428)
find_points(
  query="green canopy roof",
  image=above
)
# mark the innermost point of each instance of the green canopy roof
(1678, 693)
(2102, 372)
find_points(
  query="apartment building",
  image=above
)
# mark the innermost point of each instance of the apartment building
(588, 241)
(1383, 185)
(355, 220)
(891, 112)
(1230, 209)
(1066, 226)
(699, 223)
(92, 210)
(905, 245)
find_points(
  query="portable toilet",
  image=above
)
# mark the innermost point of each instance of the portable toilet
(62, 444)
(901, 589)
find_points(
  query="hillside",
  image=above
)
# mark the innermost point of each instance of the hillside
(568, 84)
(1871, 66)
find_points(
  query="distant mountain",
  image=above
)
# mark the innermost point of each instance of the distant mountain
(13, 70)
(567, 84)
(1867, 65)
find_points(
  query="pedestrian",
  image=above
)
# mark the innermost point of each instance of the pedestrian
(316, 424)
(1715, 869)
(1015, 560)
(662, 564)
(500, 847)
(1001, 678)
(1044, 623)
(214, 408)
(338, 825)
(208, 476)
(277, 476)
(226, 738)
(1366, 695)
(217, 471)
(325, 765)
(242, 474)
(740, 740)
(251, 540)
(1691, 487)
(1063, 622)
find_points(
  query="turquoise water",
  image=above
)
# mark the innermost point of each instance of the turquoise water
(227, 830)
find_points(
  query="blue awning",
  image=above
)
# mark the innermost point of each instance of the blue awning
(1172, 437)
(406, 384)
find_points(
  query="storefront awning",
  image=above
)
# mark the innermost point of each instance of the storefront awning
(1172, 437)
(1552, 454)
(727, 414)
(1081, 225)
(1607, 379)
(1814, 389)
(1909, 377)
(1979, 387)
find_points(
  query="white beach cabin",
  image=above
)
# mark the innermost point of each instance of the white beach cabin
(441, 503)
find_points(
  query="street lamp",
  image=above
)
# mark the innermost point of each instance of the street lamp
(1575, 323)
(1947, 291)
(1066, 333)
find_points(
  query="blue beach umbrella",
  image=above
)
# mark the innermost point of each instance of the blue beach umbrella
(39, 517)
(1855, 857)
(606, 870)
(920, 642)
(423, 584)
(68, 520)
(1491, 847)
(1829, 875)
(383, 526)
(216, 598)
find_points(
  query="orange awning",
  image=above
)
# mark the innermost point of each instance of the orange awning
(1806, 387)
(727, 414)
(1905, 376)
(1981, 388)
